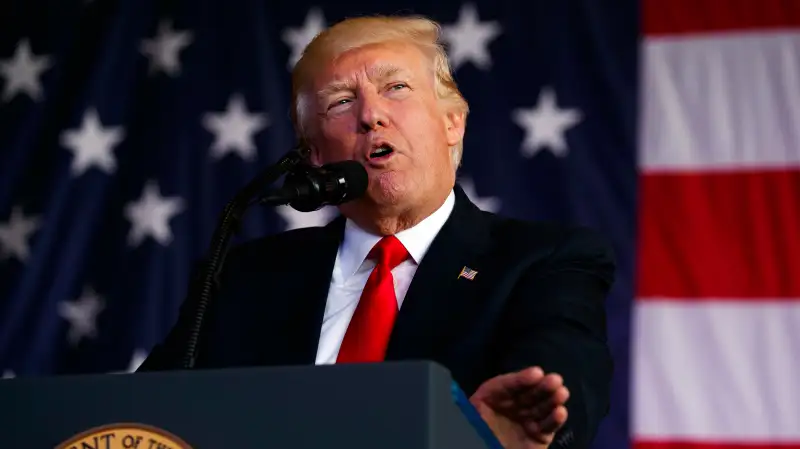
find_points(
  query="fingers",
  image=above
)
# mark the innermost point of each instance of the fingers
(527, 395)
(554, 420)
(542, 408)
(503, 390)
(521, 381)
(542, 398)
(542, 390)
(547, 402)
(544, 430)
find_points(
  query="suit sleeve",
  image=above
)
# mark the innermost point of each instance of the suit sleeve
(556, 320)
(168, 354)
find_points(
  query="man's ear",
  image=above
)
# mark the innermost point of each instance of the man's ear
(456, 125)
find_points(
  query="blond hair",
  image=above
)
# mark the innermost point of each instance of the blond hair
(357, 32)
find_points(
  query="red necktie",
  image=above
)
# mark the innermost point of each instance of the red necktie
(368, 333)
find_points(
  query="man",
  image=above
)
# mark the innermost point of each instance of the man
(513, 309)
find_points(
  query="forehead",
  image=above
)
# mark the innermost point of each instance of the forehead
(372, 63)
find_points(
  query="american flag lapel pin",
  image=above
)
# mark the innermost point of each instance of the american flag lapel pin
(467, 273)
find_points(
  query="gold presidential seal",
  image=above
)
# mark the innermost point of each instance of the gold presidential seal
(124, 436)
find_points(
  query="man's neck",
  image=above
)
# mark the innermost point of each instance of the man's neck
(392, 225)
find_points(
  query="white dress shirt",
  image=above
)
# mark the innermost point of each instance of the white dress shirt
(351, 270)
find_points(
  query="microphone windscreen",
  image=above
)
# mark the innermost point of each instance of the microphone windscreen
(355, 176)
(311, 187)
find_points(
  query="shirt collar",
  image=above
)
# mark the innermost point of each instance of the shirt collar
(357, 243)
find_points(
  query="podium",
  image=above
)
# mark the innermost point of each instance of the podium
(393, 405)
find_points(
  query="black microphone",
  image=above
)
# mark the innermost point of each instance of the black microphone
(308, 188)
(205, 286)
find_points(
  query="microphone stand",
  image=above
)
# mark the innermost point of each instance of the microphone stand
(228, 224)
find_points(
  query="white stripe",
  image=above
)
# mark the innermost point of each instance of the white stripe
(716, 370)
(722, 102)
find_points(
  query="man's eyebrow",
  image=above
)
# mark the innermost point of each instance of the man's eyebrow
(336, 87)
(378, 73)
(384, 71)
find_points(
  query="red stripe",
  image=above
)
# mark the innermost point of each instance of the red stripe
(722, 235)
(660, 17)
(712, 445)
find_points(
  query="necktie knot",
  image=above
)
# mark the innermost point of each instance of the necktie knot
(389, 251)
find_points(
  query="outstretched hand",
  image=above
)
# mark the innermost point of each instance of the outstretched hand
(524, 409)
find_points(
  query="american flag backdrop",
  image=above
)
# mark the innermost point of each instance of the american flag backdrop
(673, 127)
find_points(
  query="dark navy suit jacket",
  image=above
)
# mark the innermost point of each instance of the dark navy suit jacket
(537, 300)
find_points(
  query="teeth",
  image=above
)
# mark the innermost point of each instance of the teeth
(381, 151)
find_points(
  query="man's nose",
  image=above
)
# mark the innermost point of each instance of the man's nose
(372, 112)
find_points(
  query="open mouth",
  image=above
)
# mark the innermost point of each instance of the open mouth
(381, 152)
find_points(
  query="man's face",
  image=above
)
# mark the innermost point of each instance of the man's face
(377, 105)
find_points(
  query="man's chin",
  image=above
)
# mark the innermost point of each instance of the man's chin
(378, 200)
(388, 194)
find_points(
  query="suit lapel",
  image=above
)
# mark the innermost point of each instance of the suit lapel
(438, 302)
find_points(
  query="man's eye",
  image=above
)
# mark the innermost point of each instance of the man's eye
(397, 86)
(338, 102)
